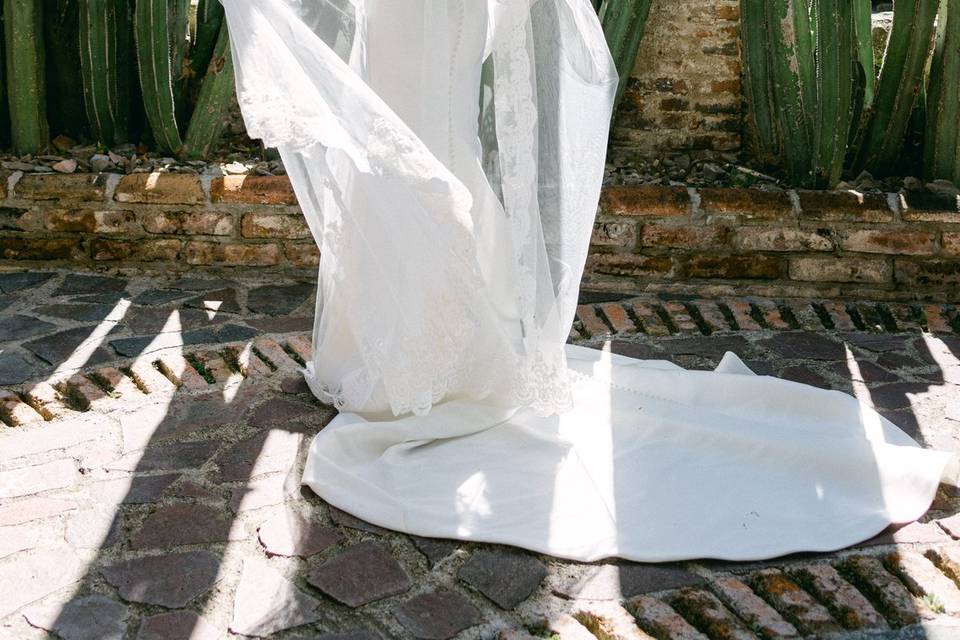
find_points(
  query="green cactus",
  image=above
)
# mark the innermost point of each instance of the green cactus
(901, 82)
(26, 77)
(942, 152)
(153, 34)
(209, 19)
(64, 84)
(105, 68)
(4, 106)
(762, 121)
(793, 88)
(624, 23)
(209, 116)
(837, 87)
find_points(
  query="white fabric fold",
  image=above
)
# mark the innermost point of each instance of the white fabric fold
(448, 157)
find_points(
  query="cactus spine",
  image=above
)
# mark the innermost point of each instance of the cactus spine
(901, 81)
(104, 26)
(942, 155)
(624, 22)
(26, 81)
(153, 36)
(209, 117)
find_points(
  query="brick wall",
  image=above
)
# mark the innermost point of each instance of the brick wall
(685, 94)
(155, 220)
(722, 242)
(706, 242)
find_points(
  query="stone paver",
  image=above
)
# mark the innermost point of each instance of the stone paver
(169, 580)
(295, 534)
(266, 602)
(437, 616)
(361, 574)
(94, 617)
(153, 483)
(506, 578)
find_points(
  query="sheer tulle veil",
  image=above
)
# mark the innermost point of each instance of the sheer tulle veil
(441, 330)
(448, 157)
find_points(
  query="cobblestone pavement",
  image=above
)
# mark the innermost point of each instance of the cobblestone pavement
(154, 431)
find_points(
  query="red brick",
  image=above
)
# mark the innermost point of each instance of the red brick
(712, 315)
(683, 237)
(681, 317)
(302, 254)
(646, 201)
(794, 603)
(626, 264)
(869, 575)
(149, 377)
(16, 248)
(275, 225)
(772, 316)
(118, 382)
(233, 254)
(846, 603)
(253, 190)
(896, 242)
(951, 243)
(618, 317)
(47, 401)
(203, 223)
(927, 272)
(847, 269)
(610, 620)
(103, 249)
(160, 188)
(177, 368)
(753, 609)
(276, 355)
(741, 314)
(708, 613)
(653, 324)
(657, 618)
(845, 206)
(592, 322)
(749, 203)
(923, 579)
(780, 239)
(15, 412)
(735, 267)
(74, 187)
(301, 345)
(70, 220)
(614, 234)
(116, 221)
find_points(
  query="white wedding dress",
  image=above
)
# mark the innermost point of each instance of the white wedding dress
(453, 202)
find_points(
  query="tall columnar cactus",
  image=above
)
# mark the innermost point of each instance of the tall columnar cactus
(154, 34)
(901, 82)
(105, 68)
(64, 85)
(210, 18)
(942, 152)
(26, 81)
(624, 23)
(806, 81)
(209, 116)
(838, 88)
(762, 119)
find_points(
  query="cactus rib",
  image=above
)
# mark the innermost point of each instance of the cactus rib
(901, 81)
(103, 28)
(152, 34)
(23, 32)
(209, 116)
(624, 23)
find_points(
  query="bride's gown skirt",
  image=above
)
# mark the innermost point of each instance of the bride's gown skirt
(453, 224)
